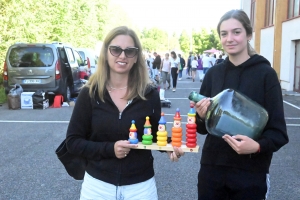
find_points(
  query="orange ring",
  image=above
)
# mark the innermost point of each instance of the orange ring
(176, 130)
(176, 144)
(176, 139)
(177, 135)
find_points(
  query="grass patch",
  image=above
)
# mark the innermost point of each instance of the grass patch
(2, 95)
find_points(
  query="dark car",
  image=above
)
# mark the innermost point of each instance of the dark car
(53, 68)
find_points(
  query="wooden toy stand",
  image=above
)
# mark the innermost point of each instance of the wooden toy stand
(168, 147)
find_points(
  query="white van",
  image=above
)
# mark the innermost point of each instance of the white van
(90, 56)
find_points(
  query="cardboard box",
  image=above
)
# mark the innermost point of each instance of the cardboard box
(26, 100)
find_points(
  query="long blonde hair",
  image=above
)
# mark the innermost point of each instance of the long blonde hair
(138, 76)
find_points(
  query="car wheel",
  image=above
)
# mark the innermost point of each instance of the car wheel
(67, 94)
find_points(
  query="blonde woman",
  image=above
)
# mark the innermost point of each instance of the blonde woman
(117, 93)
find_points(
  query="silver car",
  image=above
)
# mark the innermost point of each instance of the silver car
(39, 66)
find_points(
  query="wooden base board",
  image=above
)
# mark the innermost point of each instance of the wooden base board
(169, 147)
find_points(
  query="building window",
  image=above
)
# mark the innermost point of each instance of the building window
(294, 8)
(252, 17)
(270, 12)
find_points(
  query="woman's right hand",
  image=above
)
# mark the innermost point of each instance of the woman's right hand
(201, 107)
(122, 148)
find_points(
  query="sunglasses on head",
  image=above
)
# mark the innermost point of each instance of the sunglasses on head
(116, 51)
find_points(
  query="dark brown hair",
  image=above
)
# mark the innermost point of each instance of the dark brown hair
(243, 18)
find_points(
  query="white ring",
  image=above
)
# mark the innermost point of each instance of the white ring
(125, 154)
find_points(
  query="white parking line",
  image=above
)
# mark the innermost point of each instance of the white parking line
(292, 118)
(291, 105)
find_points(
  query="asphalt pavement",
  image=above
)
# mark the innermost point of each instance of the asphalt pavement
(29, 168)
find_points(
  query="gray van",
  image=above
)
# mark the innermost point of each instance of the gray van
(53, 68)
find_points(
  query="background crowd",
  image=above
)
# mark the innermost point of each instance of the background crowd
(165, 68)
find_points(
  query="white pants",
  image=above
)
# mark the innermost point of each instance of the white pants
(200, 73)
(95, 189)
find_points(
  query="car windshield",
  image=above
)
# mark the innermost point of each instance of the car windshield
(31, 57)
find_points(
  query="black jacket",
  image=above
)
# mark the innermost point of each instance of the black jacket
(256, 79)
(156, 62)
(182, 62)
(106, 125)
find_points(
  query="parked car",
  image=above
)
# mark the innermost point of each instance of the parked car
(49, 67)
(90, 57)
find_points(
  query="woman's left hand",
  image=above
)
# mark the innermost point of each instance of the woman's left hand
(176, 154)
(242, 144)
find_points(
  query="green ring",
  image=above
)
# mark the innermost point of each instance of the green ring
(147, 137)
(146, 142)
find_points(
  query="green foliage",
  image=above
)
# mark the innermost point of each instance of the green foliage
(80, 23)
(154, 39)
(83, 23)
(205, 40)
(184, 41)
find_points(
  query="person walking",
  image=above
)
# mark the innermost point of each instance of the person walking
(194, 68)
(237, 167)
(156, 64)
(104, 111)
(207, 63)
(165, 70)
(189, 65)
(200, 68)
(219, 60)
(214, 58)
(150, 65)
(182, 64)
(175, 61)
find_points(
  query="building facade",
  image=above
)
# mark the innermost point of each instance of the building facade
(276, 36)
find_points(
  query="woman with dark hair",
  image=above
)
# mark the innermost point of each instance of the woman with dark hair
(175, 61)
(115, 95)
(237, 167)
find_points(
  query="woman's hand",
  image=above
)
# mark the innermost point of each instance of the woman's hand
(122, 148)
(242, 144)
(176, 154)
(201, 107)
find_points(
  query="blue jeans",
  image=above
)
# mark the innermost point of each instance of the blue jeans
(205, 69)
(180, 74)
(93, 188)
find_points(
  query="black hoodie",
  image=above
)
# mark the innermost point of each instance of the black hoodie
(106, 125)
(256, 79)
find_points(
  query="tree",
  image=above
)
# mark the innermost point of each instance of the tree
(154, 39)
(184, 41)
(205, 40)
(80, 23)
